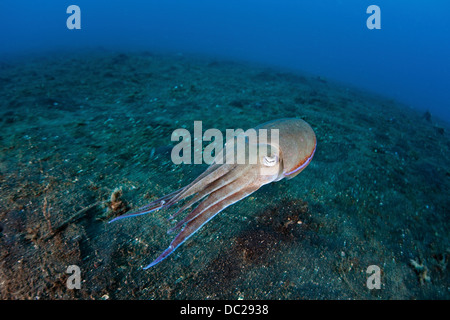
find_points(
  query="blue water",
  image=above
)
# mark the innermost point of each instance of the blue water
(408, 59)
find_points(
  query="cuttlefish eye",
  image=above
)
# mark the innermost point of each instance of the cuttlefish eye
(270, 161)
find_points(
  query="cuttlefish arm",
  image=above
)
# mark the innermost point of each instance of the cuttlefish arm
(222, 185)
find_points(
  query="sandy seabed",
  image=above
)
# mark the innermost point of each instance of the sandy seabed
(86, 137)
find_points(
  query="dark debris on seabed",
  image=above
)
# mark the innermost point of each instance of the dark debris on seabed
(86, 138)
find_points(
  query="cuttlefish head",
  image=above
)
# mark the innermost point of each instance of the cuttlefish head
(289, 153)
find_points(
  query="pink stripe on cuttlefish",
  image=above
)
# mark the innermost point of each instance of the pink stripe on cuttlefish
(308, 160)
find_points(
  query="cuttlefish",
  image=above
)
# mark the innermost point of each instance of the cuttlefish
(224, 183)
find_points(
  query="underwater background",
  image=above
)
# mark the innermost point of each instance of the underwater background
(86, 120)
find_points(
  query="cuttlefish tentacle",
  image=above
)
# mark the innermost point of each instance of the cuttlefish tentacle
(222, 185)
(195, 224)
(212, 173)
(174, 197)
(213, 186)
(218, 192)
(160, 203)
